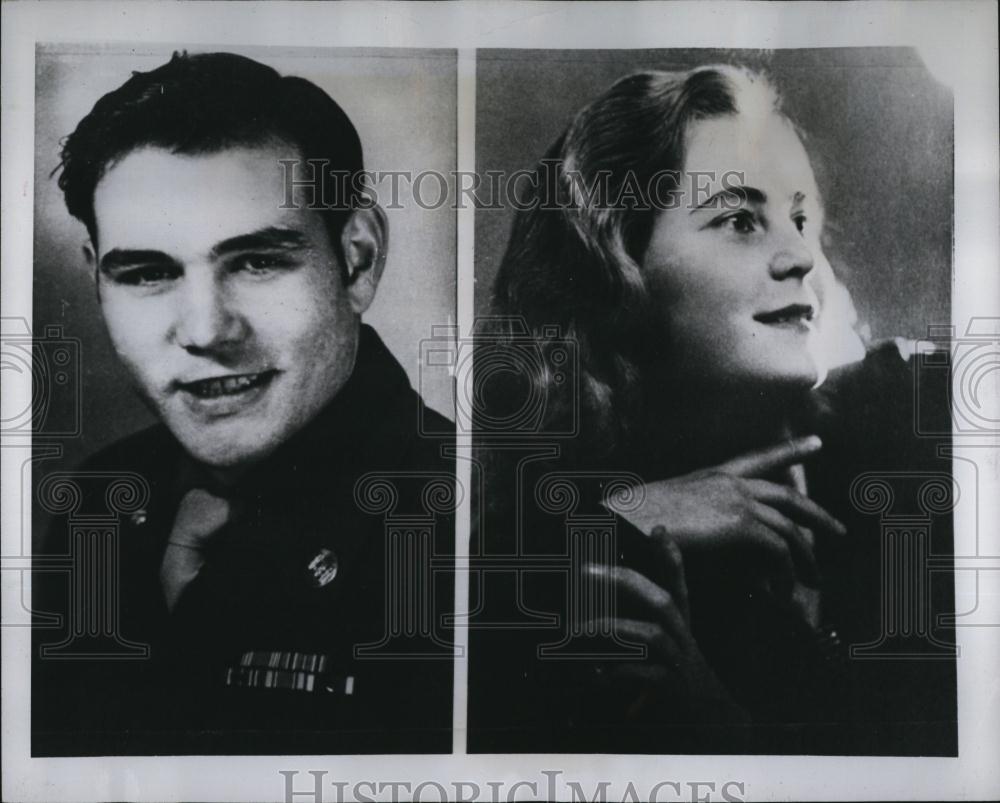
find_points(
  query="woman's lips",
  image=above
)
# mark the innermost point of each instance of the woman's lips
(793, 314)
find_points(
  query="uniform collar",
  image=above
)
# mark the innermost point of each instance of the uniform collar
(376, 396)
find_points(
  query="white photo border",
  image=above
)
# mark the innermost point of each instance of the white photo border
(957, 41)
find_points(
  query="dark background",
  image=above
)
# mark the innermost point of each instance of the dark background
(880, 136)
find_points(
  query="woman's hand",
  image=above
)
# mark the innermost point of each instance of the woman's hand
(731, 507)
(656, 616)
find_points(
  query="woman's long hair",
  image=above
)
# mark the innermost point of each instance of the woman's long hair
(572, 269)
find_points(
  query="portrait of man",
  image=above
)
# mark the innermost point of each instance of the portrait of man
(226, 580)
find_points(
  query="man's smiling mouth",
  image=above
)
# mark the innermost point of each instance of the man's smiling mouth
(223, 386)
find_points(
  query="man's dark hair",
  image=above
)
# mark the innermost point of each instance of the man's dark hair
(207, 103)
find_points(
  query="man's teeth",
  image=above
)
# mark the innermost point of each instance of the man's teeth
(210, 388)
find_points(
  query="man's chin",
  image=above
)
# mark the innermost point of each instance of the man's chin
(226, 454)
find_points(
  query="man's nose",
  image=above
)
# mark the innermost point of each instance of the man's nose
(207, 319)
(793, 255)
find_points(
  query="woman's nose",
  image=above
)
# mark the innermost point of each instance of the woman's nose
(793, 257)
(206, 319)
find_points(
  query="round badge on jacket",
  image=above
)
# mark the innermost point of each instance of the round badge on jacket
(323, 568)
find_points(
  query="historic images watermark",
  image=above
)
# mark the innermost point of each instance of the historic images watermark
(908, 504)
(414, 506)
(314, 185)
(42, 411)
(320, 786)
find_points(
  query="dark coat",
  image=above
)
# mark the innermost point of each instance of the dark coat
(207, 683)
(798, 690)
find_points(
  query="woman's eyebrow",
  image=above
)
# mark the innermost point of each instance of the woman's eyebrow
(270, 238)
(724, 198)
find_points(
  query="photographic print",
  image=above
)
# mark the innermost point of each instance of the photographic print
(224, 561)
(715, 481)
(499, 401)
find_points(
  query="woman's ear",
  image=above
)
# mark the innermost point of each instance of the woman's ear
(365, 243)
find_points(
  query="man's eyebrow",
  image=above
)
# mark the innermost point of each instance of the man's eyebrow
(125, 257)
(748, 194)
(270, 238)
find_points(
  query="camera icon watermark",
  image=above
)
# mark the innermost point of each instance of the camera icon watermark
(41, 380)
(510, 382)
(966, 366)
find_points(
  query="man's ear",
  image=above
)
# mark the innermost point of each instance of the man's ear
(90, 259)
(89, 254)
(364, 242)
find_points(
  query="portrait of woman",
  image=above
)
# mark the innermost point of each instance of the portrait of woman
(719, 432)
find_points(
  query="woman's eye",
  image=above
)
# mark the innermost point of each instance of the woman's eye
(800, 222)
(742, 222)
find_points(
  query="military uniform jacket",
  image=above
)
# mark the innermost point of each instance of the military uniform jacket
(316, 624)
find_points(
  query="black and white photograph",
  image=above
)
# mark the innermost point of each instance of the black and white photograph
(217, 571)
(533, 400)
(700, 405)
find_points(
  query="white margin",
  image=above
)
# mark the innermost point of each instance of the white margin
(959, 43)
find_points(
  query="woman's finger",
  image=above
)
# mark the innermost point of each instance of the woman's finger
(801, 551)
(632, 671)
(796, 505)
(777, 553)
(636, 592)
(672, 566)
(660, 647)
(763, 461)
